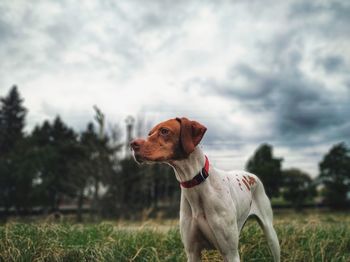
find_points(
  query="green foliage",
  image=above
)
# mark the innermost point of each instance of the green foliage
(12, 120)
(335, 175)
(303, 238)
(57, 149)
(133, 188)
(12, 150)
(98, 165)
(54, 163)
(297, 187)
(267, 168)
(23, 172)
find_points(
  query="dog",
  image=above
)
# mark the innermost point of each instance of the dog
(215, 204)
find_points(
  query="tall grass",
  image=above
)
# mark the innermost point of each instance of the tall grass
(302, 238)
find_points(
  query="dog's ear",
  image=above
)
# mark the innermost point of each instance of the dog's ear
(191, 133)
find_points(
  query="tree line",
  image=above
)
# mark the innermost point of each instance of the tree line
(53, 164)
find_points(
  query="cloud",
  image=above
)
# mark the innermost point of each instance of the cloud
(333, 64)
(305, 104)
(252, 72)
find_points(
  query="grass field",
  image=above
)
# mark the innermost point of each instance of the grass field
(312, 237)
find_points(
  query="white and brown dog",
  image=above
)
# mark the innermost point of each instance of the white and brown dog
(215, 204)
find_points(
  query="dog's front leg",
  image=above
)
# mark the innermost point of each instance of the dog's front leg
(224, 227)
(189, 232)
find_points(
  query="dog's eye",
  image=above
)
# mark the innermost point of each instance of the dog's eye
(164, 131)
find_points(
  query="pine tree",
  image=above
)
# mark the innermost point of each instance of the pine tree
(12, 121)
(59, 151)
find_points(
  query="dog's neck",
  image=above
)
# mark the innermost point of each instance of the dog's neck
(186, 169)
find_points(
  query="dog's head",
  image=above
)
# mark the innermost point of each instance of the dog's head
(174, 139)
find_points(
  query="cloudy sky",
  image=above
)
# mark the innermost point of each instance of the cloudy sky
(251, 71)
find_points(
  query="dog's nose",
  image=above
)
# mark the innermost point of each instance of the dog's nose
(136, 144)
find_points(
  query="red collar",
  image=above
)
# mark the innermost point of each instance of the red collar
(199, 178)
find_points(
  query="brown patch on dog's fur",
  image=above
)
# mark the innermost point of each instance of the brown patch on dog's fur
(191, 133)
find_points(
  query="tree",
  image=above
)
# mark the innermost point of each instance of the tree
(86, 168)
(267, 168)
(335, 175)
(58, 148)
(12, 121)
(102, 157)
(297, 187)
(95, 166)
